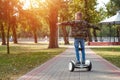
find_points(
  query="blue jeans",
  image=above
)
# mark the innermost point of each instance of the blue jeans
(81, 42)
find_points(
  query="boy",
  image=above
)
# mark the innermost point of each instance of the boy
(79, 29)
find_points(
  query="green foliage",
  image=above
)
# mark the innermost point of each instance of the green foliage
(34, 18)
(88, 10)
(101, 14)
(112, 7)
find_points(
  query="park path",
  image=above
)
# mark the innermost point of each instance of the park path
(57, 69)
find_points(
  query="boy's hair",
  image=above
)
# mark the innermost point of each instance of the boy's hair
(78, 14)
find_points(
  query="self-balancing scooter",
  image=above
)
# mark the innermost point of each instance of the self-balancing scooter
(73, 65)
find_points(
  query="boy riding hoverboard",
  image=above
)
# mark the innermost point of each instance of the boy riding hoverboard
(79, 29)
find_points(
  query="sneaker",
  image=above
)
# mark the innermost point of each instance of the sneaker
(83, 62)
(77, 63)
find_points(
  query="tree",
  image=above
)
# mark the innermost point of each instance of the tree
(31, 19)
(13, 28)
(32, 22)
(8, 10)
(90, 14)
(2, 18)
(115, 7)
(112, 11)
(3, 34)
(63, 15)
(65, 35)
(53, 6)
(53, 41)
(118, 33)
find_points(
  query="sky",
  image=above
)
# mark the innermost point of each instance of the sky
(102, 2)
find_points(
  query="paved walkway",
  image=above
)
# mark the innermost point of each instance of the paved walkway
(57, 69)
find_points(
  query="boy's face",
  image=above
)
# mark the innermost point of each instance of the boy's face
(77, 17)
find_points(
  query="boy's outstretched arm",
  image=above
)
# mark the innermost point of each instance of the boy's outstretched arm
(64, 23)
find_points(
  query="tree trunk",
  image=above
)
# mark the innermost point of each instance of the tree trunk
(118, 33)
(119, 37)
(89, 35)
(65, 36)
(3, 35)
(53, 15)
(14, 35)
(35, 36)
(8, 48)
(95, 36)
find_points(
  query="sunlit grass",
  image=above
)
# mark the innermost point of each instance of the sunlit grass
(24, 57)
(111, 54)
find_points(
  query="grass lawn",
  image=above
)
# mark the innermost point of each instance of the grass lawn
(23, 58)
(111, 54)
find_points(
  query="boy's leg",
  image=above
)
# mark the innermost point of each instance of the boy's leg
(76, 45)
(82, 44)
